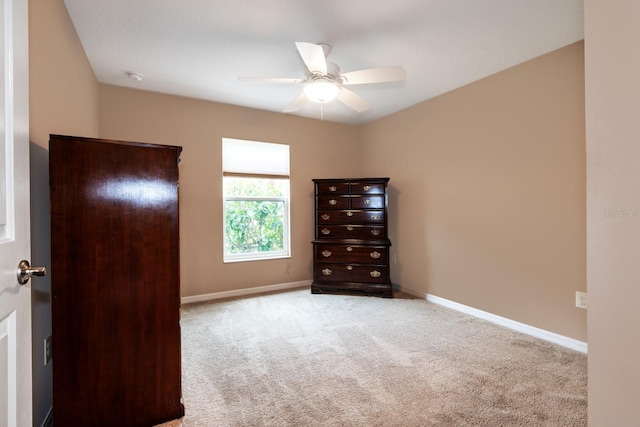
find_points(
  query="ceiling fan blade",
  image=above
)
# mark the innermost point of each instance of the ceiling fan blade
(353, 101)
(375, 75)
(313, 57)
(297, 103)
(271, 79)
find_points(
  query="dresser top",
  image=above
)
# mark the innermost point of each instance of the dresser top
(346, 180)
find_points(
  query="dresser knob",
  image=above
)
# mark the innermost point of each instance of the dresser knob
(333, 202)
(350, 228)
(375, 273)
(366, 188)
(326, 231)
(375, 255)
(326, 254)
(325, 217)
(349, 213)
(349, 267)
(375, 232)
(327, 272)
(367, 202)
(333, 188)
(375, 216)
(349, 249)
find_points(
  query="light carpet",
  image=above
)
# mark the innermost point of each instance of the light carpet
(297, 359)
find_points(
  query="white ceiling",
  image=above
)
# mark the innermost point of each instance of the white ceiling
(198, 48)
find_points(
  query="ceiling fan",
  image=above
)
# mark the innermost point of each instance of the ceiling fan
(324, 83)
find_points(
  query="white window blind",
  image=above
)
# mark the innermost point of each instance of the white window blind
(258, 158)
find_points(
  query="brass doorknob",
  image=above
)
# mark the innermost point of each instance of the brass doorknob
(25, 271)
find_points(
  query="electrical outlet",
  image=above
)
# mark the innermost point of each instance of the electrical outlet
(47, 350)
(581, 299)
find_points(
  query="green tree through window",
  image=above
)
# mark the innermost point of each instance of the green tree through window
(254, 215)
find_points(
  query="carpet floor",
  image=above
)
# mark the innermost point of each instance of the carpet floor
(297, 359)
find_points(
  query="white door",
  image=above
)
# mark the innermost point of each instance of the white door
(15, 299)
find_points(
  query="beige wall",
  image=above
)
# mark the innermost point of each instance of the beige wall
(63, 89)
(63, 99)
(612, 67)
(317, 149)
(488, 192)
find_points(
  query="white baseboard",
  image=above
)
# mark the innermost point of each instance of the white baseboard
(503, 321)
(245, 292)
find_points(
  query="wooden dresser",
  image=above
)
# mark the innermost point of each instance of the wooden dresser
(351, 245)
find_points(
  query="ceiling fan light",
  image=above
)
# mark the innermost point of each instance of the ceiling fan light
(321, 91)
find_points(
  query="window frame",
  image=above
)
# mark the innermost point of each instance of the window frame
(286, 200)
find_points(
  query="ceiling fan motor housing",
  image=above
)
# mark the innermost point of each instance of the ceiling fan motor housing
(333, 73)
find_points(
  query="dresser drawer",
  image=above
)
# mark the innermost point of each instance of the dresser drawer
(352, 254)
(351, 273)
(367, 188)
(333, 188)
(364, 232)
(351, 217)
(367, 202)
(333, 202)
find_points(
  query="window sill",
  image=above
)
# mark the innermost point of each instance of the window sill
(258, 258)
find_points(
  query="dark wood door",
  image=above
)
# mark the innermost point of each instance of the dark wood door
(115, 282)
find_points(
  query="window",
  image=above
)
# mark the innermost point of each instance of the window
(255, 178)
